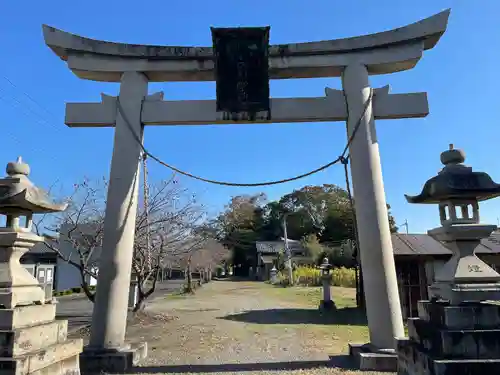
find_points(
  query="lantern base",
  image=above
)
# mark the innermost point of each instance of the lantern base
(327, 305)
(18, 287)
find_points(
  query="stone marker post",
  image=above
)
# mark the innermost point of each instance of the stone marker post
(32, 341)
(458, 331)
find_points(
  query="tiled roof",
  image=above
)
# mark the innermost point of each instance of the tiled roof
(277, 246)
(40, 248)
(423, 244)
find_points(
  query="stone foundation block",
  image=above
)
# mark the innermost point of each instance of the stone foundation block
(68, 366)
(40, 362)
(21, 341)
(111, 361)
(450, 344)
(413, 361)
(470, 316)
(367, 359)
(24, 316)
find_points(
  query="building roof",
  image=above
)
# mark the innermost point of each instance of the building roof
(270, 247)
(423, 244)
(41, 248)
(402, 244)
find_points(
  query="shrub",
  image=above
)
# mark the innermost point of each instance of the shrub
(67, 292)
(309, 276)
(345, 277)
(76, 290)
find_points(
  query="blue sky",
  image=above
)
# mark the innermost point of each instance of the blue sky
(460, 76)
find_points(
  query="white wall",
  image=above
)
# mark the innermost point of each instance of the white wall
(68, 276)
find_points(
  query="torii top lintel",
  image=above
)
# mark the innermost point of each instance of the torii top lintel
(385, 52)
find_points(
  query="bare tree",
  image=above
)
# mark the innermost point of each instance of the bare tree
(164, 233)
(76, 234)
(163, 228)
(211, 254)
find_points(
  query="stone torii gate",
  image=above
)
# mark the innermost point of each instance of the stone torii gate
(353, 59)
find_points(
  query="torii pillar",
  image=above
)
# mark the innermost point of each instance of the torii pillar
(377, 256)
(353, 59)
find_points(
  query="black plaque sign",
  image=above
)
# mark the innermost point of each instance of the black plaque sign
(242, 69)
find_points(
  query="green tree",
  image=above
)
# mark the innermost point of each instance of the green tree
(314, 249)
(239, 227)
(321, 212)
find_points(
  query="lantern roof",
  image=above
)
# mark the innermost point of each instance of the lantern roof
(18, 194)
(456, 182)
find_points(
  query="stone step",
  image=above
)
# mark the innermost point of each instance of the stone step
(24, 316)
(369, 360)
(68, 366)
(412, 361)
(472, 316)
(17, 342)
(38, 360)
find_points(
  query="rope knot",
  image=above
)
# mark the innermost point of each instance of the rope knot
(344, 160)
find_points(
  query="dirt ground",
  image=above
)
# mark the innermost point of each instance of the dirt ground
(238, 327)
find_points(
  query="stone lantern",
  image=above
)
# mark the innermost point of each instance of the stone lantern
(457, 189)
(33, 342)
(19, 200)
(274, 275)
(326, 278)
(457, 330)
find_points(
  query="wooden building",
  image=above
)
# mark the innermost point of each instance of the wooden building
(417, 256)
(267, 252)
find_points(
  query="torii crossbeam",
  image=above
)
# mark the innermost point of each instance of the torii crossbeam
(332, 107)
(353, 59)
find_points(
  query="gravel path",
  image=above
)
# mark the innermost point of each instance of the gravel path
(240, 328)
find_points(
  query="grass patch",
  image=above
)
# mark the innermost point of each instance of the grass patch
(311, 296)
(177, 295)
(297, 310)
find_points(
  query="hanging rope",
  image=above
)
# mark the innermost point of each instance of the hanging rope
(225, 183)
(343, 159)
(147, 254)
(355, 255)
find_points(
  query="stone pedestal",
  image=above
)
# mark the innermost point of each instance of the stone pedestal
(33, 342)
(447, 339)
(98, 360)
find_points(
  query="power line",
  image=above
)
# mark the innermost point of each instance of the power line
(340, 159)
(29, 97)
(12, 100)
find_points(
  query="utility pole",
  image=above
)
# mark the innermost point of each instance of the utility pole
(288, 255)
(405, 224)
